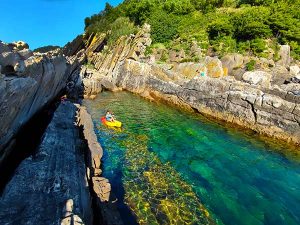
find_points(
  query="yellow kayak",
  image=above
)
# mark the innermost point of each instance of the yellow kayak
(115, 123)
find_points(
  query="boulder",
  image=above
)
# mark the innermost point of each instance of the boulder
(232, 61)
(189, 69)
(294, 70)
(214, 67)
(12, 63)
(280, 74)
(285, 55)
(175, 56)
(258, 78)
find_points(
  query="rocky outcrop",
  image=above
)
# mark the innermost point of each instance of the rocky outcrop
(274, 114)
(260, 78)
(105, 203)
(51, 187)
(285, 55)
(95, 151)
(258, 100)
(27, 83)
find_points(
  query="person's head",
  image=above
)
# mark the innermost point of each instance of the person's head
(107, 112)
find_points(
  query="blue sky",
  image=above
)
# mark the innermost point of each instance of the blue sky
(46, 22)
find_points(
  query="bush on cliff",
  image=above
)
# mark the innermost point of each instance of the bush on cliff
(222, 25)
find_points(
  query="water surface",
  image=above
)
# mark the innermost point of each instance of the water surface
(175, 167)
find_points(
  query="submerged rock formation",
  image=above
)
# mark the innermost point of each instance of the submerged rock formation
(255, 101)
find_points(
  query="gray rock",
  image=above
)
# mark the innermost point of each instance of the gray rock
(22, 97)
(25, 54)
(295, 70)
(51, 186)
(232, 61)
(285, 55)
(224, 98)
(258, 78)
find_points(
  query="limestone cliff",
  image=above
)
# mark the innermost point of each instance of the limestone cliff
(254, 100)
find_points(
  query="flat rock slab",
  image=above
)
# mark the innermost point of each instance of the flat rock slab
(51, 187)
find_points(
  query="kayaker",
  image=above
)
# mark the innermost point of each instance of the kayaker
(109, 116)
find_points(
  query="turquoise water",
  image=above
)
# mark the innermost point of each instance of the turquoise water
(163, 159)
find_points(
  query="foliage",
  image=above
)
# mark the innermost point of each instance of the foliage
(224, 25)
(45, 49)
(121, 27)
(164, 26)
(250, 66)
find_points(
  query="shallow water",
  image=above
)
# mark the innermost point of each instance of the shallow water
(174, 167)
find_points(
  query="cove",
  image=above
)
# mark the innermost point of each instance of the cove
(168, 166)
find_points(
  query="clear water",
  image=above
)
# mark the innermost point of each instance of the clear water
(175, 167)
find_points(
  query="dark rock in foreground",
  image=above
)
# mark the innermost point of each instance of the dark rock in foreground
(51, 187)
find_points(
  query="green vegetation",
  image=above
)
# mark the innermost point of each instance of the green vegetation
(250, 66)
(45, 49)
(224, 26)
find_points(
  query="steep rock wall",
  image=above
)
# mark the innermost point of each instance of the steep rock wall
(31, 83)
(51, 187)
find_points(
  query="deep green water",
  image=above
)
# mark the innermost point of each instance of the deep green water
(165, 162)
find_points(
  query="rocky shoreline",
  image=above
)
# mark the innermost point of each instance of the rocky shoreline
(62, 182)
(266, 103)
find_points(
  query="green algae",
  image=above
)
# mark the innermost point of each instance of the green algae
(155, 192)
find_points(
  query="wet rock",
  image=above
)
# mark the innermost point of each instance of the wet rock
(51, 186)
(102, 188)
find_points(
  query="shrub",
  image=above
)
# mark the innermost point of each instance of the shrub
(258, 46)
(163, 26)
(121, 27)
(224, 45)
(250, 66)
